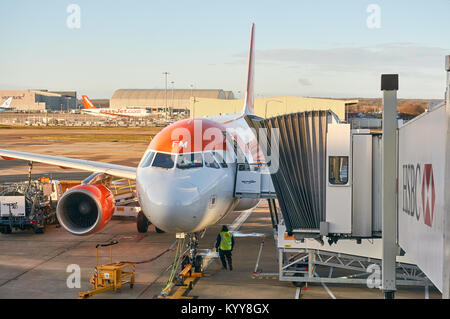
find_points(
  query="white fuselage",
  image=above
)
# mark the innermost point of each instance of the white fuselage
(118, 112)
(188, 200)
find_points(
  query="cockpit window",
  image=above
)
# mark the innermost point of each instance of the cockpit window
(164, 160)
(210, 161)
(147, 160)
(220, 159)
(192, 160)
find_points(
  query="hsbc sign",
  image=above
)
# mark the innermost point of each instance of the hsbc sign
(419, 194)
(423, 191)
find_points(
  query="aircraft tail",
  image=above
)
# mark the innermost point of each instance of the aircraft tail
(6, 104)
(88, 103)
(249, 106)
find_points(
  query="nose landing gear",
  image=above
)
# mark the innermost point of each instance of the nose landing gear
(186, 269)
(194, 259)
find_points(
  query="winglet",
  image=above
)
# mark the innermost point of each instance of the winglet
(87, 103)
(249, 107)
(7, 103)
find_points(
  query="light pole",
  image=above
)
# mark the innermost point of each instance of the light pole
(389, 86)
(267, 102)
(166, 74)
(193, 104)
(173, 84)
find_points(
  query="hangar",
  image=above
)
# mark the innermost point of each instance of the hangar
(269, 106)
(177, 100)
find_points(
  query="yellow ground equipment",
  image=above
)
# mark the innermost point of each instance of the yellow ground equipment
(111, 276)
(184, 281)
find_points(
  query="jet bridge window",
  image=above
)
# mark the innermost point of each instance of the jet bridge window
(164, 160)
(338, 170)
(147, 160)
(192, 160)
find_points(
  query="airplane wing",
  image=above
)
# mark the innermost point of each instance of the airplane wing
(65, 162)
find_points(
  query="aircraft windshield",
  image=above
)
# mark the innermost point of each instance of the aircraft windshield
(147, 160)
(192, 160)
(210, 161)
(220, 158)
(164, 160)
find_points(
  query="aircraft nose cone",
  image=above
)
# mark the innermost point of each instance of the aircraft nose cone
(173, 206)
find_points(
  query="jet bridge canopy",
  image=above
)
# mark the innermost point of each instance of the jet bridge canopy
(300, 178)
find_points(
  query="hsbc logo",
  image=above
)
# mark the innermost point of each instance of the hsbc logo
(428, 194)
(418, 203)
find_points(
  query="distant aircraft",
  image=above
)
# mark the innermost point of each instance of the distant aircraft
(89, 108)
(6, 105)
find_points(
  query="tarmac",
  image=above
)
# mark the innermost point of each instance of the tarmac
(36, 265)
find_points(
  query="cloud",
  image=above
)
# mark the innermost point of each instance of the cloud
(304, 82)
(395, 55)
(353, 70)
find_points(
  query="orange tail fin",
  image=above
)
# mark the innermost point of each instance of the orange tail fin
(87, 103)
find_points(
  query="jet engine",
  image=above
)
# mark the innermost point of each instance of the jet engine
(85, 209)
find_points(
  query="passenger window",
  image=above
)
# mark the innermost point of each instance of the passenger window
(338, 173)
(192, 160)
(210, 161)
(147, 160)
(220, 159)
(164, 160)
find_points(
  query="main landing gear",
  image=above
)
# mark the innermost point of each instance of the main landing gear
(142, 224)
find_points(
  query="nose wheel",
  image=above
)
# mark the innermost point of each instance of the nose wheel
(193, 245)
(194, 259)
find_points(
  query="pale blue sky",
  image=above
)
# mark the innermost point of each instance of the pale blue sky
(304, 48)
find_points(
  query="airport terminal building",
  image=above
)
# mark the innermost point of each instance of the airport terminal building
(155, 99)
(40, 100)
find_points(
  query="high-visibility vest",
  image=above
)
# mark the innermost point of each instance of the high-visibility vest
(225, 240)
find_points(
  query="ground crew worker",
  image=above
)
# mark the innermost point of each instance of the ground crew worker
(225, 245)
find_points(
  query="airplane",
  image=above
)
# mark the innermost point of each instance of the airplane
(184, 181)
(89, 108)
(6, 105)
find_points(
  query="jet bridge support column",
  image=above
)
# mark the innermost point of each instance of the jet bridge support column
(446, 274)
(389, 86)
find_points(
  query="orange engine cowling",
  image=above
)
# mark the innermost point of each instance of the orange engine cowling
(85, 209)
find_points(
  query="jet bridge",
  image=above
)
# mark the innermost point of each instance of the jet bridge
(327, 181)
(299, 181)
